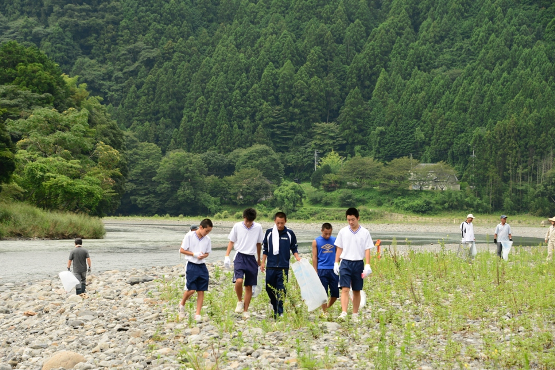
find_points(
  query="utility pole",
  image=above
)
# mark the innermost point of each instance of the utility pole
(315, 159)
(473, 170)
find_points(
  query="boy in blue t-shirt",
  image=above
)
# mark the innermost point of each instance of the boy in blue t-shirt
(323, 258)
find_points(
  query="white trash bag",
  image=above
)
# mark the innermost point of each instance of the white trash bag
(69, 281)
(506, 249)
(312, 290)
(256, 289)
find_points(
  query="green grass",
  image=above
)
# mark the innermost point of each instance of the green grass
(21, 220)
(423, 308)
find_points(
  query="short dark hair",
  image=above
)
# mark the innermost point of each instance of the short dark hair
(327, 226)
(280, 215)
(206, 223)
(78, 241)
(249, 214)
(352, 212)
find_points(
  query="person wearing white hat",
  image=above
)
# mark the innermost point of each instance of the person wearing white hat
(502, 234)
(467, 233)
(550, 238)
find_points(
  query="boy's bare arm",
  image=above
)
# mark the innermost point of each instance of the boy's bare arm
(338, 252)
(314, 255)
(230, 247)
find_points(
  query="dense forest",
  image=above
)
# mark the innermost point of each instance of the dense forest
(222, 100)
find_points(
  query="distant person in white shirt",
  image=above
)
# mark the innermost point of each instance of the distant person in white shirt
(468, 239)
(550, 238)
(246, 238)
(502, 234)
(196, 246)
(353, 245)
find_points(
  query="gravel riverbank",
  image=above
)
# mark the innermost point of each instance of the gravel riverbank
(407, 228)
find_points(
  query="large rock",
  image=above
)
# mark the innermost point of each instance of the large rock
(5, 367)
(65, 359)
(139, 279)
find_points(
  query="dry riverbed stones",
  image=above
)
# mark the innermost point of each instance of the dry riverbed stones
(125, 323)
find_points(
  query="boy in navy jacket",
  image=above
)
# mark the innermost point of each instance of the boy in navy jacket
(277, 266)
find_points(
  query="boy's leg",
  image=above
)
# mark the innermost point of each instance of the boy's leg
(356, 300)
(334, 288)
(239, 289)
(324, 281)
(357, 282)
(281, 292)
(248, 297)
(250, 270)
(344, 299)
(550, 248)
(271, 287)
(200, 300)
(186, 295)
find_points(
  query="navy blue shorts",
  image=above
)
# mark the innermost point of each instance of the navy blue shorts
(246, 268)
(350, 274)
(197, 277)
(330, 280)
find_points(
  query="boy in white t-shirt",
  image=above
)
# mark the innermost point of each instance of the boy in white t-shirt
(468, 239)
(196, 246)
(353, 244)
(246, 238)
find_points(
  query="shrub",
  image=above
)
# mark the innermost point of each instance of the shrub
(27, 221)
(316, 197)
(346, 199)
(328, 199)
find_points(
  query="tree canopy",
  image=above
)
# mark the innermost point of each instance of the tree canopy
(467, 83)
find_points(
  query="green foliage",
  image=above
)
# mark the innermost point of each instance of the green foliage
(29, 69)
(331, 181)
(248, 186)
(264, 159)
(289, 196)
(437, 80)
(7, 161)
(318, 175)
(21, 220)
(333, 160)
(361, 170)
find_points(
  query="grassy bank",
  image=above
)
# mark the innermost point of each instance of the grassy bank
(432, 309)
(21, 220)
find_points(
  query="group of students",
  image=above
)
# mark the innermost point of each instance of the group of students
(341, 261)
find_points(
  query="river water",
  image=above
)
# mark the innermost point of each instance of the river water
(128, 244)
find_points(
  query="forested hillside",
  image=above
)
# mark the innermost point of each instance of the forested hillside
(470, 83)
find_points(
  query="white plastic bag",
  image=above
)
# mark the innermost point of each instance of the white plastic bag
(256, 289)
(312, 290)
(506, 249)
(473, 250)
(69, 281)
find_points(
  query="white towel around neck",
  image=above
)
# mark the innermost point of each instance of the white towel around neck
(275, 240)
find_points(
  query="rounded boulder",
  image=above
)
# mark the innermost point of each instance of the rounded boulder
(65, 359)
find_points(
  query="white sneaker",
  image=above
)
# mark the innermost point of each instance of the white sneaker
(181, 311)
(355, 317)
(240, 307)
(198, 318)
(246, 315)
(343, 316)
